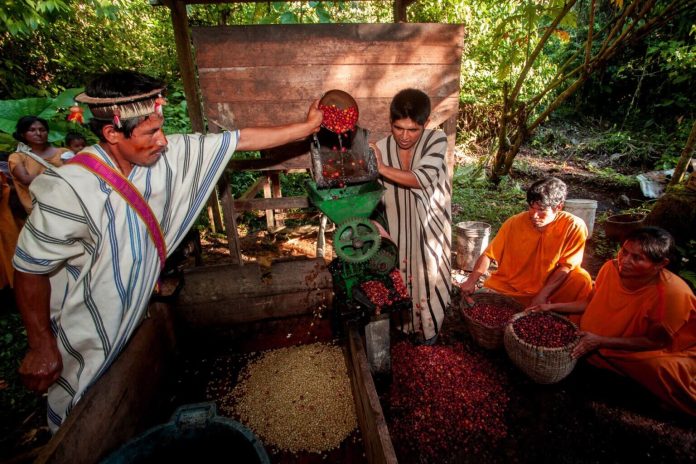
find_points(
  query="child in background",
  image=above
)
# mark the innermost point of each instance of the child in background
(75, 142)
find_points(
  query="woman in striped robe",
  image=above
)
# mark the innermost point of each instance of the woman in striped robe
(413, 167)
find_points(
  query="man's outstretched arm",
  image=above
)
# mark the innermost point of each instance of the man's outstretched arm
(42, 364)
(261, 138)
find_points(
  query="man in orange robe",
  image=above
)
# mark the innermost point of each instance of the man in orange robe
(538, 251)
(641, 320)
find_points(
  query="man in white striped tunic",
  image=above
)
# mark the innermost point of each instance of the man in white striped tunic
(413, 167)
(86, 261)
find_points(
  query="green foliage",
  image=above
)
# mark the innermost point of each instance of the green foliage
(501, 38)
(21, 17)
(293, 184)
(608, 175)
(176, 118)
(67, 48)
(688, 264)
(473, 198)
(586, 140)
(288, 13)
(54, 110)
(649, 85)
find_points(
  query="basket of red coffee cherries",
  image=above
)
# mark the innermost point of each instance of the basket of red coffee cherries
(486, 317)
(540, 344)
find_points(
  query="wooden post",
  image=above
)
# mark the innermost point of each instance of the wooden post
(399, 10)
(214, 213)
(270, 218)
(373, 426)
(278, 217)
(450, 128)
(184, 53)
(230, 218)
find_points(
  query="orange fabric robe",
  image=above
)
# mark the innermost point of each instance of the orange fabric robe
(526, 257)
(32, 168)
(667, 306)
(8, 235)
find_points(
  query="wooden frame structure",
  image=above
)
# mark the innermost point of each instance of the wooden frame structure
(127, 400)
(245, 71)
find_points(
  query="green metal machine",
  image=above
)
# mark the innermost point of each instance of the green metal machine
(368, 286)
(364, 249)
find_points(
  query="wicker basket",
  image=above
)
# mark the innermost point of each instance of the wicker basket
(541, 364)
(486, 336)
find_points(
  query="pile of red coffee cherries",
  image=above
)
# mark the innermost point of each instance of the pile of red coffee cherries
(490, 315)
(339, 120)
(545, 330)
(399, 285)
(378, 293)
(445, 403)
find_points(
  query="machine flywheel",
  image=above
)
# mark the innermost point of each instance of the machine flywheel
(384, 260)
(356, 240)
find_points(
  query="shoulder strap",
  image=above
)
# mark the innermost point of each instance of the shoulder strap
(22, 148)
(129, 193)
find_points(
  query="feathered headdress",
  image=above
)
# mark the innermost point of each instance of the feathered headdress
(120, 108)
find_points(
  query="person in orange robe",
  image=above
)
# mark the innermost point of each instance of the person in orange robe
(538, 252)
(641, 320)
(9, 231)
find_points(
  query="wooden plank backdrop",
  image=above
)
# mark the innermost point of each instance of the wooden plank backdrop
(268, 75)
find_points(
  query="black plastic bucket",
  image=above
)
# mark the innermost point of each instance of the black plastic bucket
(195, 434)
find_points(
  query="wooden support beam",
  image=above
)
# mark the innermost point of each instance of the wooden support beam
(271, 203)
(373, 426)
(184, 54)
(215, 296)
(251, 192)
(399, 10)
(270, 217)
(270, 164)
(230, 217)
(278, 216)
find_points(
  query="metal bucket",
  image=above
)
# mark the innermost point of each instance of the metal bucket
(195, 434)
(471, 238)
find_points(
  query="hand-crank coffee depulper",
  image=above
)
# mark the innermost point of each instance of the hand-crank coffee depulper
(367, 283)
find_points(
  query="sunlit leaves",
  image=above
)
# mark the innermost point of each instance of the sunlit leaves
(21, 17)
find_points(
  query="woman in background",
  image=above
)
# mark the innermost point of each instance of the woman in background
(32, 135)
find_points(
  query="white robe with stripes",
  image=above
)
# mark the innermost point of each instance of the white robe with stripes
(419, 222)
(102, 263)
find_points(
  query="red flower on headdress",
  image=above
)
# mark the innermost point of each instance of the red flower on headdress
(76, 115)
(160, 101)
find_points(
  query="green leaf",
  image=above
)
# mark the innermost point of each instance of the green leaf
(323, 15)
(288, 18)
(67, 97)
(12, 110)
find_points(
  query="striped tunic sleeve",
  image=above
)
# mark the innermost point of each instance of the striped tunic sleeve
(56, 230)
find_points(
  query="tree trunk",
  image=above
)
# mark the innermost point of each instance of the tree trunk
(684, 158)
